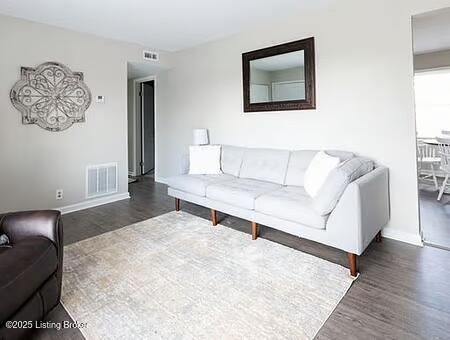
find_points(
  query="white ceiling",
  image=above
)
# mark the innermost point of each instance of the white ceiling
(432, 31)
(280, 62)
(165, 24)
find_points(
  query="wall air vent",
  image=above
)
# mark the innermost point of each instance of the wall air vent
(101, 180)
(149, 55)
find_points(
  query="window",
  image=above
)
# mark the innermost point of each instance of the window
(432, 102)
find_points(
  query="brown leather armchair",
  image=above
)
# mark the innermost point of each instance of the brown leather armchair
(30, 268)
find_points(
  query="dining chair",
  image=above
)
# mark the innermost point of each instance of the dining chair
(427, 163)
(444, 152)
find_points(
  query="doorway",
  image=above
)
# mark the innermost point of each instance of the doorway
(147, 127)
(142, 117)
(432, 86)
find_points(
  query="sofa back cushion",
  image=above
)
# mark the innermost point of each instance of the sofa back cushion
(300, 160)
(298, 163)
(337, 181)
(265, 165)
(231, 159)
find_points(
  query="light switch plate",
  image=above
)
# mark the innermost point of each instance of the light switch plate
(100, 99)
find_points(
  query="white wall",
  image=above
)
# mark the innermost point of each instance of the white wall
(35, 162)
(365, 100)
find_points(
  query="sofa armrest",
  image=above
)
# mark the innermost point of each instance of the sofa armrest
(362, 211)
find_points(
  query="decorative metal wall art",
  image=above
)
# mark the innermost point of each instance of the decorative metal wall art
(51, 96)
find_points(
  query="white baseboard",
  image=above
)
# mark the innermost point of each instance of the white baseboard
(402, 236)
(93, 203)
(162, 180)
(132, 173)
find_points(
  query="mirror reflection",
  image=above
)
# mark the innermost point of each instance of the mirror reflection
(278, 78)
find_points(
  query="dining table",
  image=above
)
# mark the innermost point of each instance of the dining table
(434, 141)
(430, 141)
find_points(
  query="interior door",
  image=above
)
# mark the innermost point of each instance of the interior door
(148, 126)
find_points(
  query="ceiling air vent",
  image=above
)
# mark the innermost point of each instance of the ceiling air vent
(149, 55)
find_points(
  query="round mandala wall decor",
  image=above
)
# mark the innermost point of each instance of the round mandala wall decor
(51, 96)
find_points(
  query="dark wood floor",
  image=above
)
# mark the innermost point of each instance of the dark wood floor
(403, 291)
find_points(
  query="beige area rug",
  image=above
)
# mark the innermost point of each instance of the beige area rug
(177, 277)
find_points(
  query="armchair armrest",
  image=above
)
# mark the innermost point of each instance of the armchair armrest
(45, 223)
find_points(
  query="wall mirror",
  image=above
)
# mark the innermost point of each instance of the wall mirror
(280, 77)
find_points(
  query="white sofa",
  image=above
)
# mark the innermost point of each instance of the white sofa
(265, 187)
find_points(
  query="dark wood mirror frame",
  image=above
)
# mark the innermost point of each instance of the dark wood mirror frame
(309, 102)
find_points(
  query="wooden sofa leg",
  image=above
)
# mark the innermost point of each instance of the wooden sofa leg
(214, 217)
(378, 237)
(353, 264)
(177, 204)
(255, 230)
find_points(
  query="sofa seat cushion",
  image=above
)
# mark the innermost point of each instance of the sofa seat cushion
(197, 184)
(240, 192)
(291, 203)
(24, 269)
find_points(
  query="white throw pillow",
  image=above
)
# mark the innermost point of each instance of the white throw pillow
(204, 160)
(318, 171)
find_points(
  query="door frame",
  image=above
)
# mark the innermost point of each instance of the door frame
(137, 149)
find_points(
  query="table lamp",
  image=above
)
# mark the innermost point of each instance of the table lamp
(200, 137)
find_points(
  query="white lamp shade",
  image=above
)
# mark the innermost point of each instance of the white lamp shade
(200, 137)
